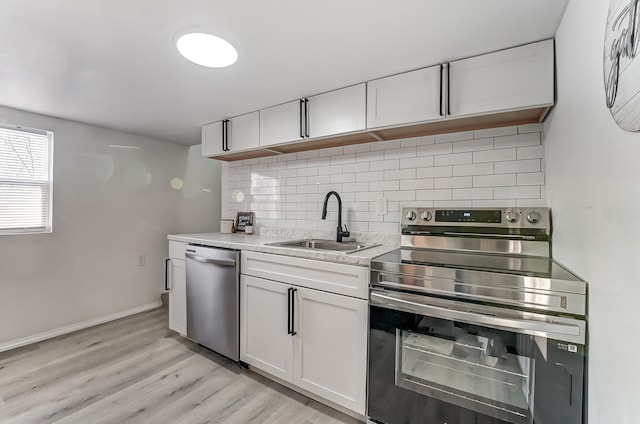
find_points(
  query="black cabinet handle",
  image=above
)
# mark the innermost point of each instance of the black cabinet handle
(225, 135)
(448, 89)
(441, 71)
(166, 274)
(293, 313)
(301, 118)
(289, 310)
(306, 117)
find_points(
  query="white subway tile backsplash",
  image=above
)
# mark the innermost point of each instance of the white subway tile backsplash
(399, 196)
(494, 155)
(527, 192)
(473, 145)
(385, 145)
(454, 159)
(343, 159)
(453, 182)
(516, 166)
(475, 169)
(472, 193)
(358, 167)
(434, 172)
(418, 141)
(465, 135)
(368, 196)
(531, 178)
(343, 178)
(384, 165)
(520, 140)
(531, 152)
(416, 184)
(498, 167)
(355, 187)
(319, 179)
(370, 176)
(333, 151)
(441, 194)
(501, 203)
(495, 132)
(357, 148)
(494, 180)
(331, 170)
(406, 152)
(290, 172)
(305, 172)
(435, 149)
(417, 162)
(400, 174)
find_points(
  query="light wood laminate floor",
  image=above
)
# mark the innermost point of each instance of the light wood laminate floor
(136, 370)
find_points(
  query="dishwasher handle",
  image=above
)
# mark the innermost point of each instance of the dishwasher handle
(222, 262)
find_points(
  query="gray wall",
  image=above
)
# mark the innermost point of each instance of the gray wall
(109, 206)
(592, 186)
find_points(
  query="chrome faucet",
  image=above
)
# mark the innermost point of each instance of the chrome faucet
(339, 233)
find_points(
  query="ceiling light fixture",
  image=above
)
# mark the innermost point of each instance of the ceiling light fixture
(207, 50)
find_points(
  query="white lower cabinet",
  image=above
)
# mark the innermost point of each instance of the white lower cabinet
(178, 296)
(330, 347)
(264, 342)
(310, 338)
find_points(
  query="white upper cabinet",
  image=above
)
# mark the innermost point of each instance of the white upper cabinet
(233, 135)
(401, 99)
(282, 123)
(517, 78)
(336, 112)
(212, 140)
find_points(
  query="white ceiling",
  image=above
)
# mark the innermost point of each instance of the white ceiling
(113, 63)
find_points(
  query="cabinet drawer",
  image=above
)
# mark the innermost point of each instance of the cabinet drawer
(177, 249)
(336, 278)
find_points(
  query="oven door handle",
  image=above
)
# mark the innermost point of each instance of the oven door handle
(569, 332)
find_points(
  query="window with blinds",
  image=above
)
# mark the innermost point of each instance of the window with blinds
(25, 180)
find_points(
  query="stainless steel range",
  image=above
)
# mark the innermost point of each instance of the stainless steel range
(471, 321)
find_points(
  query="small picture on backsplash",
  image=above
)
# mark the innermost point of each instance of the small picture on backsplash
(242, 220)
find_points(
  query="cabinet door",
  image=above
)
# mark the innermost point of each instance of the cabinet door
(244, 132)
(517, 78)
(410, 97)
(336, 112)
(330, 357)
(212, 139)
(281, 124)
(178, 296)
(264, 312)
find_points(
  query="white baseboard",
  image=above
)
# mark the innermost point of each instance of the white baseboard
(12, 344)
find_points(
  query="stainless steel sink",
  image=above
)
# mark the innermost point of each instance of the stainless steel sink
(330, 245)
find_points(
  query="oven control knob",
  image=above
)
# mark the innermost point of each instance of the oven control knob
(534, 217)
(426, 215)
(512, 216)
(411, 215)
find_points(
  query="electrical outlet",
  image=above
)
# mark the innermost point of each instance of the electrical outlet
(381, 206)
(142, 259)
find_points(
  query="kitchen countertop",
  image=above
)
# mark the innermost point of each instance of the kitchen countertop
(257, 243)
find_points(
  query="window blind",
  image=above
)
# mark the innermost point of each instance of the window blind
(25, 180)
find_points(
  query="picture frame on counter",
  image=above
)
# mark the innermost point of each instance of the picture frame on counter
(243, 219)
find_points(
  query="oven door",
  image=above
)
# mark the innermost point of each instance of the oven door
(434, 360)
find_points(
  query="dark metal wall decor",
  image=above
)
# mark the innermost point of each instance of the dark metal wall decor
(621, 69)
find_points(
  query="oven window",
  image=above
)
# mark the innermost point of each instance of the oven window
(463, 363)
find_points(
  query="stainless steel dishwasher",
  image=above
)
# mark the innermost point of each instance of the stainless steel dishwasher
(213, 299)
